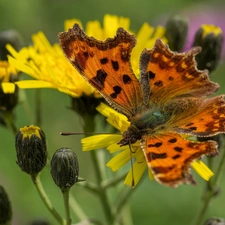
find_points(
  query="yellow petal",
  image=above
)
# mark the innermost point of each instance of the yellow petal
(8, 88)
(119, 160)
(119, 121)
(26, 84)
(135, 176)
(115, 147)
(93, 28)
(99, 141)
(69, 23)
(202, 169)
(150, 175)
(20, 65)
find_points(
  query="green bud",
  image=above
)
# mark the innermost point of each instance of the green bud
(210, 38)
(8, 100)
(64, 168)
(31, 149)
(215, 221)
(8, 74)
(5, 207)
(176, 32)
(11, 37)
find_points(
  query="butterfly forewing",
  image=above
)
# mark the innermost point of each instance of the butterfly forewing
(173, 74)
(106, 66)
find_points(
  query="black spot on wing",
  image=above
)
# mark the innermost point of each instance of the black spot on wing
(151, 75)
(126, 79)
(99, 80)
(152, 156)
(104, 60)
(115, 65)
(172, 140)
(178, 149)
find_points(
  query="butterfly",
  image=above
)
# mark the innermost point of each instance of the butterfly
(167, 102)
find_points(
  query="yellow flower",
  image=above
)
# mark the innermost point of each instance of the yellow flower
(47, 64)
(6, 71)
(125, 154)
(8, 74)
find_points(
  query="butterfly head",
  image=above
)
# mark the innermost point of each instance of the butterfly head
(130, 136)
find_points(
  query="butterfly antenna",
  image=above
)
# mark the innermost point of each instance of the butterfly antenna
(81, 133)
(131, 163)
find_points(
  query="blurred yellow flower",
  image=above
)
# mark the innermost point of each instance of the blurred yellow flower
(8, 74)
(109, 141)
(50, 68)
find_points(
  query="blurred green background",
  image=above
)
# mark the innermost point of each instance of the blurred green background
(151, 203)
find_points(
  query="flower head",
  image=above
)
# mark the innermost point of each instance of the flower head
(31, 150)
(64, 168)
(204, 14)
(210, 38)
(5, 207)
(47, 64)
(124, 153)
(9, 74)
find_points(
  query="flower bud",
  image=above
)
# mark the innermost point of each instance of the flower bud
(210, 38)
(5, 207)
(215, 221)
(64, 168)
(8, 74)
(176, 32)
(31, 149)
(8, 100)
(11, 37)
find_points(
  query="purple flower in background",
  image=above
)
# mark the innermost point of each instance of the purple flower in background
(204, 15)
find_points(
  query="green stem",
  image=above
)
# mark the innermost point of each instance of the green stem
(38, 107)
(66, 205)
(102, 191)
(113, 181)
(211, 190)
(38, 185)
(89, 186)
(127, 216)
(123, 199)
(88, 222)
(77, 209)
(89, 126)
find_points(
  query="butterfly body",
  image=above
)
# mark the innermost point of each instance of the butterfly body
(168, 100)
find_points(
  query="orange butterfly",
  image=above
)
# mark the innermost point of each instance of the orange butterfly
(167, 101)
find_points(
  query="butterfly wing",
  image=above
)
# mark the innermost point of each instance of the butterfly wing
(106, 66)
(171, 74)
(169, 157)
(198, 117)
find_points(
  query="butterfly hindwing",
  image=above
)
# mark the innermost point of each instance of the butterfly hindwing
(205, 118)
(169, 156)
(106, 66)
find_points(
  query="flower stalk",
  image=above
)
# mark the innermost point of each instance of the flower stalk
(89, 126)
(44, 197)
(211, 189)
(66, 205)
